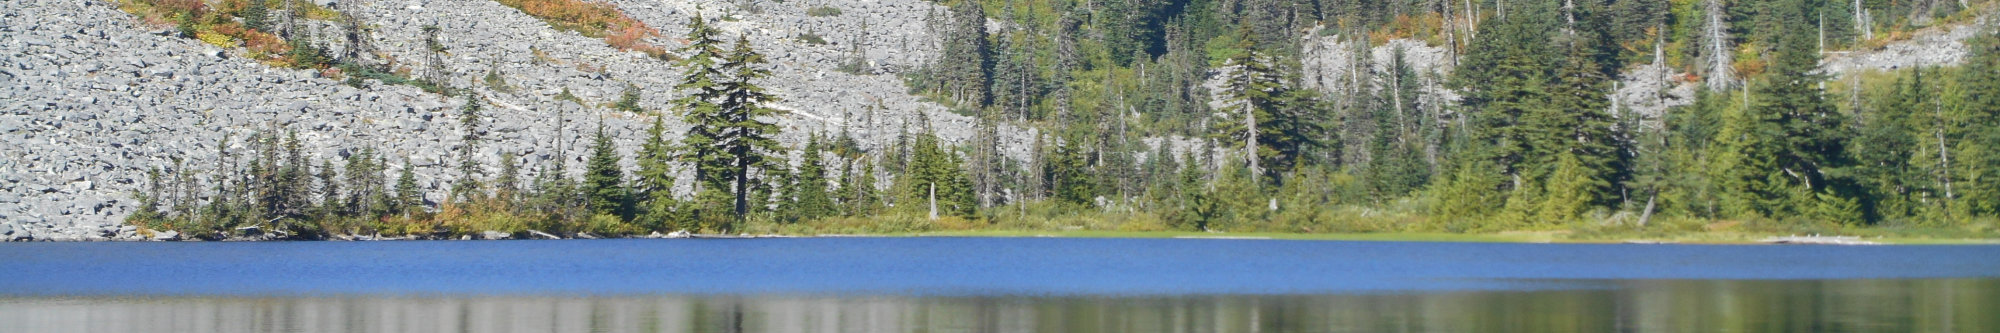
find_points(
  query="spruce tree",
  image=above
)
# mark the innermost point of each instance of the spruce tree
(363, 181)
(1567, 193)
(604, 180)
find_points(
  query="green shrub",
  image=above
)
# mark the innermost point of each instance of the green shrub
(823, 11)
(812, 38)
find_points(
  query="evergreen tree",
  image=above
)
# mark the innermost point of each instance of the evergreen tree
(1744, 165)
(806, 193)
(1270, 116)
(1974, 132)
(1468, 195)
(1504, 78)
(364, 181)
(1197, 201)
(702, 82)
(861, 197)
(603, 180)
(966, 60)
(148, 213)
(1884, 149)
(1069, 172)
(1567, 195)
(329, 189)
(294, 181)
(746, 131)
(654, 185)
(507, 185)
(1799, 135)
(628, 101)
(937, 176)
(256, 15)
(1576, 125)
(1395, 168)
(469, 171)
(409, 199)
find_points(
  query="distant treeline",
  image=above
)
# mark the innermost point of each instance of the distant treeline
(1770, 144)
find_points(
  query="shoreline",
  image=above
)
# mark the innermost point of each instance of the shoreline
(1519, 237)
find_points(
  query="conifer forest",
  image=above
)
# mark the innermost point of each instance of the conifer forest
(1473, 116)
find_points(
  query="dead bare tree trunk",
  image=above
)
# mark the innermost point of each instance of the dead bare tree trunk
(1718, 49)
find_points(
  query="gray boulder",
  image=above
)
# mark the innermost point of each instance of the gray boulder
(167, 236)
(20, 235)
(495, 235)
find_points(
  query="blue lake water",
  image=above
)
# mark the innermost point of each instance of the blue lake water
(992, 284)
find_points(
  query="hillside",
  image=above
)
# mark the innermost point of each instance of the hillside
(96, 97)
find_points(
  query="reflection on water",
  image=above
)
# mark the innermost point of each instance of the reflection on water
(1924, 305)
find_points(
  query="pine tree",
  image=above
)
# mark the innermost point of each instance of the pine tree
(1196, 197)
(364, 182)
(604, 180)
(936, 175)
(148, 213)
(295, 180)
(1468, 195)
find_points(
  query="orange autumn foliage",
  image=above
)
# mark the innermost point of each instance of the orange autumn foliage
(594, 19)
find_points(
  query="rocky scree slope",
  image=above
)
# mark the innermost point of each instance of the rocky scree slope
(90, 98)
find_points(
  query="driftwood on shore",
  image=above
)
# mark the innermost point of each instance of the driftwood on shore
(1818, 240)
